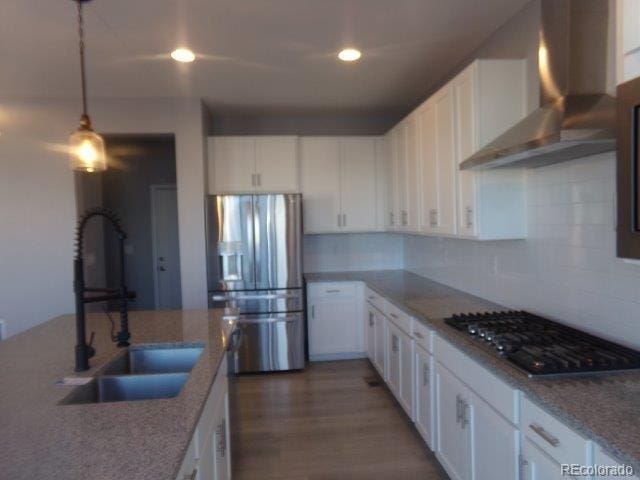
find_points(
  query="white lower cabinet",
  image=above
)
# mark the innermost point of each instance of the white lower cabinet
(335, 321)
(370, 332)
(400, 348)
(380, 359)
(536, 465)
(208, 456)
(424, 405)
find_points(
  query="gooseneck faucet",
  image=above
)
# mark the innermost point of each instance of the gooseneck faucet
(84, 350)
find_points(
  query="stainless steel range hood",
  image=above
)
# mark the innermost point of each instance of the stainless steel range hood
(576, 117)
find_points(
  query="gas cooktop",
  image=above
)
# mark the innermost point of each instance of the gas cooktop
(543, 348)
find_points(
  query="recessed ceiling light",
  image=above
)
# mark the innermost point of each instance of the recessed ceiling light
(183, 55)
(349, 55)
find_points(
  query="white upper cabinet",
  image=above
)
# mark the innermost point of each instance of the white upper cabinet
(490, 97)
(358, 183)
(320, 183)
(339, 184)
(246, 164)
(391, 197)
(411, 218)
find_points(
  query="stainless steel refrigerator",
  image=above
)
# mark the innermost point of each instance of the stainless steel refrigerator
(255, 268)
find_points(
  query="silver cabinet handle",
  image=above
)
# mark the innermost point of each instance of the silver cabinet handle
(418, 335)
(344, 219)
(391, 219)
(425, 374)
(253, 179)
(393, 315)
(313, 311)
(371, 322)
(458, 408)
(464, 418)
(404, 218)
(339, 220)
(333, 290)
(469, 212)
(546, 436)
(433, 218)
(523, 467)
(394, 343)
(192, 476)
(221, 432)
(371, 297)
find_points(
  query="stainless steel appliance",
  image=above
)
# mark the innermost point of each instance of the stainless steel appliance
(628, 170)
(255, 267)
(543, 348)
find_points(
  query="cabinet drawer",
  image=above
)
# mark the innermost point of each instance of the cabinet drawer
(490, 388)
(374, 299)
(423, 336)
(332, 290)
(552, 436)
(401, 319)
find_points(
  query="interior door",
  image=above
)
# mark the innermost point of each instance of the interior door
(278, 256)
(320, 184)
(453, 440)
(427, 155)
(466, 134)
(230, 224)
(446, 160)
(276, 164)
(166, 248)
(424, 406)
(358, 183)
(234, 164)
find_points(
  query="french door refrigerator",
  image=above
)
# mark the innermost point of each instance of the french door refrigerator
(255, 270)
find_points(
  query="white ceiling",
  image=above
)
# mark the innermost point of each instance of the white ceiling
(267, 55)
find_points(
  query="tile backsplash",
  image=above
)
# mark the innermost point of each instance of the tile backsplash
(566, 269)
(357, 251)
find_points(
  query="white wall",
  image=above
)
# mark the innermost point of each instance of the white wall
(356, 251)
(37, 204)
(566, 269)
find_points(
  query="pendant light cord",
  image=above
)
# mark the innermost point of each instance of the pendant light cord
(83, 76)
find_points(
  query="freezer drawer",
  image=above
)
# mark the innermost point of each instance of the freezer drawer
(259, 301)
(270, 342)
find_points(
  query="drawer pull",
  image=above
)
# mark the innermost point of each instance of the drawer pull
(192, 476)
(418, 335)
(333, 291)
(550, 439)
(393, 315)
(371, 297)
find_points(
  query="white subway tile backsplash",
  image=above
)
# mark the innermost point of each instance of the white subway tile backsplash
(566, 269)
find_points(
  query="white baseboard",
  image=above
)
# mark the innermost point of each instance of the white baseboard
(327, 357)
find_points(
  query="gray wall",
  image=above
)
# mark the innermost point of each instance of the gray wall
(138, 163)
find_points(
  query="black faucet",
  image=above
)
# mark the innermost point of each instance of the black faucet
(84, 351)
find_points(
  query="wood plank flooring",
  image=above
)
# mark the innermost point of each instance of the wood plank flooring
(325, 423)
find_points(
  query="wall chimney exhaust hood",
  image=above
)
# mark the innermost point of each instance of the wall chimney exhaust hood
(576, 118)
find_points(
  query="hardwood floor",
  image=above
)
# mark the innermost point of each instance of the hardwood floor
(325, 423)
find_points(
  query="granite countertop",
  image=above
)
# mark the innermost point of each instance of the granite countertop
(42, 439)
(603, 408)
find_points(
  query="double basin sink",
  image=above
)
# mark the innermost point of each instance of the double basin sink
(144, 372)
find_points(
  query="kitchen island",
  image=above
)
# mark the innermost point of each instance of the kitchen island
(40, 438)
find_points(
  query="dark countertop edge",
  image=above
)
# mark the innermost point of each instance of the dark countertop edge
(506, 372)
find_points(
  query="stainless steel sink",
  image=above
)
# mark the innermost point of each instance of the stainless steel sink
(144, 372)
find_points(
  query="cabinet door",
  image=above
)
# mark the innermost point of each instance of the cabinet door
(381, 344)
(406, 373)
(536, 465)
(370, 335)
(232, 164)
(333, 328)
(445, 161)
(391, 193)
(495, 444)
(412, 220)
(277, 164)
(358, 183)
(467, 145)
(428, 171)
(453, 436)
(400, 163)
(424, 406)
(320, 184)
(394, 359)
(221, 441)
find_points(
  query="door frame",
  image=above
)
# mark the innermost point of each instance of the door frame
(153, 189)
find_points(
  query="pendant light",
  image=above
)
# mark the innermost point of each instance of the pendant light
(86, 147)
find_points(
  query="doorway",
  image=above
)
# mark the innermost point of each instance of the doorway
(139, 186)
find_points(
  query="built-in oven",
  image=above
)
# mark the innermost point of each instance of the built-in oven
(628, 170)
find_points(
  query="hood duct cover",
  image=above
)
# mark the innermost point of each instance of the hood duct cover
(577, 117)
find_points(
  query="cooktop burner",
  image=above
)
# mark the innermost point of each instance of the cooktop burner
(542, 347)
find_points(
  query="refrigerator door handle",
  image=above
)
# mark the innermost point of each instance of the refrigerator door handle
(266, 296)
(288, 318)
